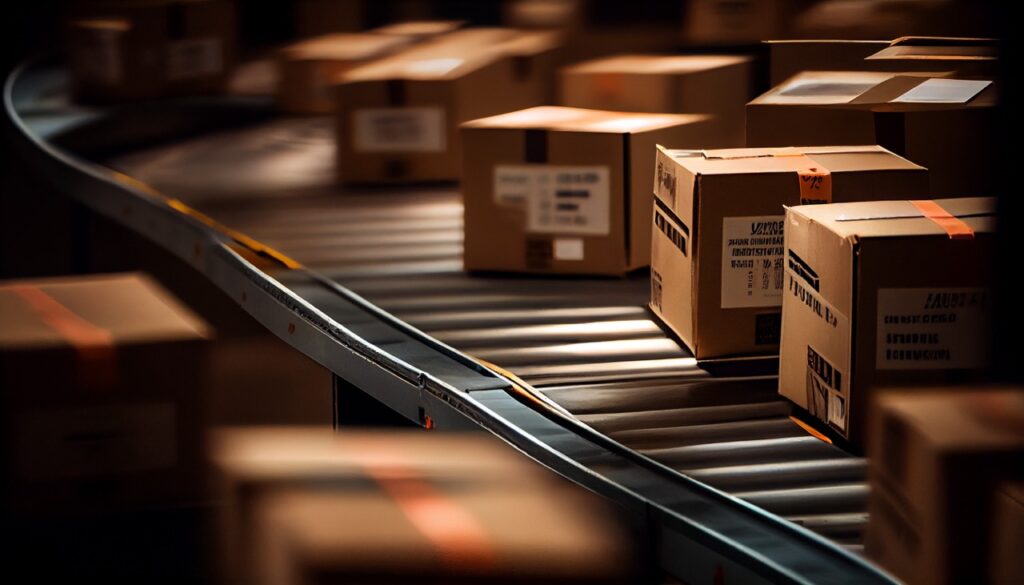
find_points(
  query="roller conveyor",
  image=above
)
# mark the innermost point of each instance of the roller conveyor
(385, 265)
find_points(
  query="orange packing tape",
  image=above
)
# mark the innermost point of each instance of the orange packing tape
(954, 226)
(815, 185)
(94, 346)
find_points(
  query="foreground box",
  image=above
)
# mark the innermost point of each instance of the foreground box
(126, 51)
(719, 85)
(717, 257)
(1007, 564)
(564, 190)
(946, 125)
(398, 118)
(313, 506)
(101, 392)
(884, 293)
(936, 459)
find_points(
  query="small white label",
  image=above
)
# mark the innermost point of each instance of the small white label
(932, 329)
(944, 91)
(568, 249)
(420, 129)
(752, 261)
(194, 58)
(557, 199)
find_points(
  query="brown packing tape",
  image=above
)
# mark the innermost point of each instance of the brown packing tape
(95, 351)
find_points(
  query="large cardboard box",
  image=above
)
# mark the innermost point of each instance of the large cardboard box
(936, 457)
(735, 22)
(946, 125)
(125, 51)
(720, 85)
(565, 190)
(965, 56)
(885, 293)
(717, 257)
(307, 504)
(1007, 564)
(101, 392)
(398, 118)
(309, 70)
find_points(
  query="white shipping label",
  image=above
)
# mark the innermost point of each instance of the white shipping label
(930, 329)
(568, 249)
(194, 58)
(419, 129)
(752, 261)
(557, 199)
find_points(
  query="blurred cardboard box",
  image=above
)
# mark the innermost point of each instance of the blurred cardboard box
(564, 15)
(936, 458)
(886, 19)
(720, 85)
(1007, 565)
(886, 293)
(965, 56)
(309, 70)
(321, 17)
(398, 117)
(717, 250)
(284, 488)
(736, 22)
(419, 30)
(125, 51)
(946, 125)
(102, 390)
(565, 190)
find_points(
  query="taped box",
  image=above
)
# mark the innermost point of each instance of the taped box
(719, 85)
(565, 190)
(101, 381)
(717, 246)
(121, 51)
(883, 293)
(937, 457)
(1007, 564)
(947, 125)
(312, 506)
(398, 118)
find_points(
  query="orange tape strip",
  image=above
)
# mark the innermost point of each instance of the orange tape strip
(810, 430)
(815, 185)
(94, 346)
(456, 534)
(954, 226)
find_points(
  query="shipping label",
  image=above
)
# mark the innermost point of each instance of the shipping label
(416, 129)
(194, 58)
(927, 329)
(752, 261)
(557, 199)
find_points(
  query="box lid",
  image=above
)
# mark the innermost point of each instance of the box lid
(879, 90)
(961, 420)
(939, 48)
(343, 47)
(565, 119)
(456, 54)
(884, 219)
(656, 64)
(122, 308)
(836, 159)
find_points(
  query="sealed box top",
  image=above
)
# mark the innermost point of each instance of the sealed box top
(960, 419)
(419, 28)
(883, 219)
(656, 64)
(118, 309)
(837, 159)
(453, 55)
(343, 47)
(939, 48)
(564, 119)
(879, 90)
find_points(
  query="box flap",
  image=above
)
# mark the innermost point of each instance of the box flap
(939, 48)
(824, 87)
(564, 119)
(655, 64)
(790, 159)
(881, 219)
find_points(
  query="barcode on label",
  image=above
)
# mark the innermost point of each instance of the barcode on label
(399, 130)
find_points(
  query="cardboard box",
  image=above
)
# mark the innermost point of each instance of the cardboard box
(283, 482)
(565, 190)
(309, 70)
(787, 58)
(734, 22)
(946, 125)
(717, 258)
(398, 118)
(880, 294)
(565, 15)
(1007, 564)
(321, 17)
(419, 30)
(886, 19)
(720, 85)
(101, 379)
(935, 458)
(126, 51)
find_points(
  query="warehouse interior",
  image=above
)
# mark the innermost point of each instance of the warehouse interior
(510, 291)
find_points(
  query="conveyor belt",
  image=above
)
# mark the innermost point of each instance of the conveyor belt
(586, 344)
